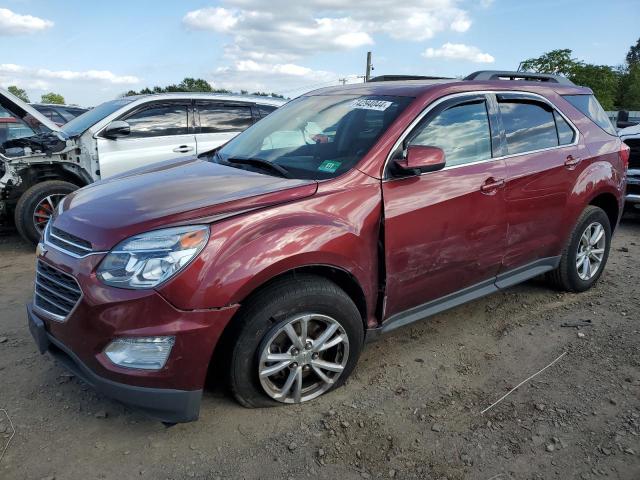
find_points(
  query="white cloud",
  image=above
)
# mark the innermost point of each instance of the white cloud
(75, 86)
(215, 19)
(459, 51)
(15, 24)
(19, 73)
(98, 75)
(286, 31)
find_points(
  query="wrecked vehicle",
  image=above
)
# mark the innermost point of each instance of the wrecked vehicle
(41, 162)
(347, 213)
(59, 114)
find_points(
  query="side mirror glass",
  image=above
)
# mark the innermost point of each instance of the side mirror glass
(117, 129)
(421, 159)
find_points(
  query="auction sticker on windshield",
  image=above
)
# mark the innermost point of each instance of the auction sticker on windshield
(329, 166)
(366, 104)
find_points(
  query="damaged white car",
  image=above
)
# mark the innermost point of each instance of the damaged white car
(41, 162)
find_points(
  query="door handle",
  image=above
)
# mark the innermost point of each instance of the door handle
(491, 185)
(572, 162)
(183, 149)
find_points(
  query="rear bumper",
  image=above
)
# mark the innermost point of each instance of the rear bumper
(167, 405)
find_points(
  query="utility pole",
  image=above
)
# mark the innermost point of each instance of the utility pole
(367, 75)
(343, 81)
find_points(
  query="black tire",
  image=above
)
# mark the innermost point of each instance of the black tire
(29, 201)
(271, 308)
(566, 277)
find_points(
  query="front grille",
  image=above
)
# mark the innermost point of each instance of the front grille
(67, 241)
(633, 189)
(634, 154)
(56, 292)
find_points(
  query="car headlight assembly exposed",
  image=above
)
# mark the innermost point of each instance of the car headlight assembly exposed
(148, 259)
(145, 353)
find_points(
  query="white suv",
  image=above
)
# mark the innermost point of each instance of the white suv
(47, 162)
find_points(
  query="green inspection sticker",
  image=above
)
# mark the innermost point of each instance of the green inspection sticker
(329, 166)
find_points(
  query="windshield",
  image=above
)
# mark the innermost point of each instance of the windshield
(83, 122)
(315, 137)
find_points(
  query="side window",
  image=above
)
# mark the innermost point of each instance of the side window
(461, 131)
(528, 126)
(218, 118)
(590, 107)
(265, 110)
(53, 115)
(565, 132)
(159, 121)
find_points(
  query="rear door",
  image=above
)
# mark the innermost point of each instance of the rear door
(543, 161)
(446, 230)
(219, 122)
(159, 131)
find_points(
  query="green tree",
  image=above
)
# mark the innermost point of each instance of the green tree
(633, 56)
(629, 98)
(558, 62)
(602, 79)
(19, 92)
(52, 98)
(188, 84)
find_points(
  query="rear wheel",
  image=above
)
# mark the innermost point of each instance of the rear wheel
(296, 340)
(36, 206)
(586, 254)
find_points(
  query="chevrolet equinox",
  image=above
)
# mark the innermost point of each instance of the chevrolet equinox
(345, 214)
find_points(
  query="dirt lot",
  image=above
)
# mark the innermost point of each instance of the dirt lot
(411, 410)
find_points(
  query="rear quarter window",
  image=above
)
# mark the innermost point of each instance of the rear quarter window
(590, 107)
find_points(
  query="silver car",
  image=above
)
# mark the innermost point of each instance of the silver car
(41, 162)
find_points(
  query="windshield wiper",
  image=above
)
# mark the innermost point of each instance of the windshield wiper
(260, 163)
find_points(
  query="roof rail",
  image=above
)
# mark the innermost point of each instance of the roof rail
(508, 75)
(394, 78)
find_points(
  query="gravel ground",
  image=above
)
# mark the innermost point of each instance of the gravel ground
(411, 409)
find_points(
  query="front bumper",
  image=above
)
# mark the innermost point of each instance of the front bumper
(165, 404)
(633, 186)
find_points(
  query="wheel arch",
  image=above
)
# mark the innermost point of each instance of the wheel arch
(38, 173)
(608, 202)
(338, 275)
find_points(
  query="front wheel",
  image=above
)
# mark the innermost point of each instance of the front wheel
(296, 340)
(36, 206)
(586, 254)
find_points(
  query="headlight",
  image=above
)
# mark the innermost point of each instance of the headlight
(146, 353)
(148, 259)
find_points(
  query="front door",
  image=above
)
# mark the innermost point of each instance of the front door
(446, 230)
(159, 131)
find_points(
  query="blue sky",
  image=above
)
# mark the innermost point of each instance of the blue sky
(94, 51)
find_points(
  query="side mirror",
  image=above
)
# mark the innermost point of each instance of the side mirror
(116, 129)
(421, 159)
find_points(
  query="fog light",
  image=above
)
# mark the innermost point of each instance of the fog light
(146, 353)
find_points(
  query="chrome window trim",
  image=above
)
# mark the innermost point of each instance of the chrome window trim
(46, 313)
(431, 106)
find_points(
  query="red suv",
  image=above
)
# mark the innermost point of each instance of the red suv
(345, 214)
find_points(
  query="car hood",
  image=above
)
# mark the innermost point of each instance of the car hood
(26, 112)
(171, 193)
(626, 132)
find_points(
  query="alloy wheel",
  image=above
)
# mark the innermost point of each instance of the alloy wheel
(44, 210)
(591, 251)
(303, 358)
